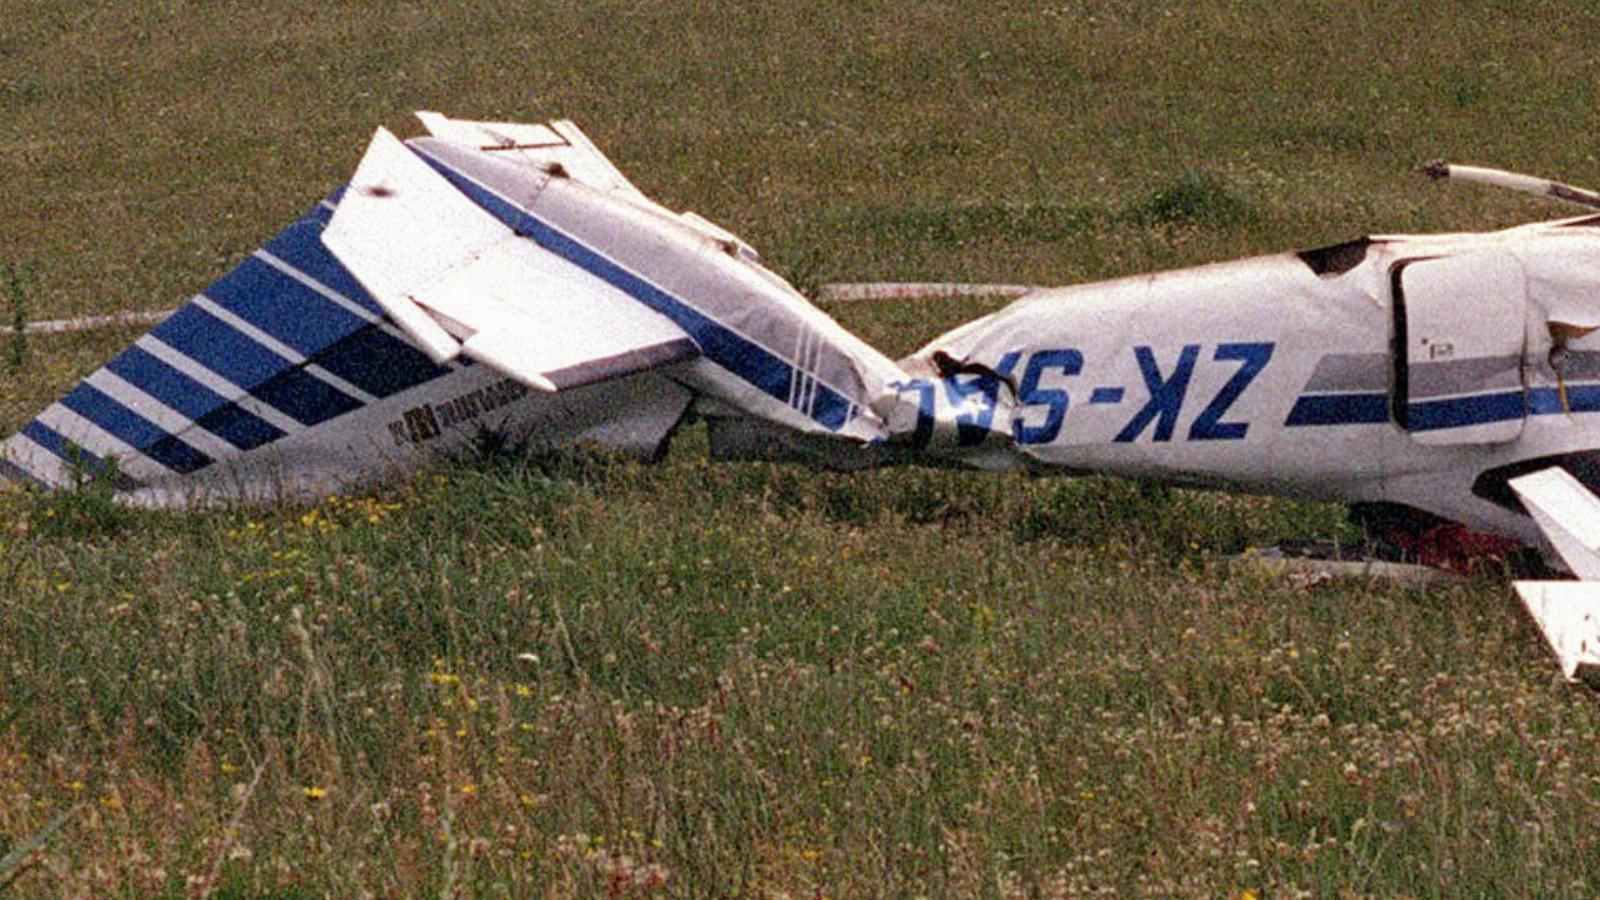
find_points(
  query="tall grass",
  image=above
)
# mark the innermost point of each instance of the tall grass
(578, 675)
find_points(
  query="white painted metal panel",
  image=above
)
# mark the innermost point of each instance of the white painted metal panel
(1568, 615)
(1569, 516)
(1464, 329)
(401, 227)
(560, 143)
(457, 280)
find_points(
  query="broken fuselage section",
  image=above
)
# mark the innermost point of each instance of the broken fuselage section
(1419, 371)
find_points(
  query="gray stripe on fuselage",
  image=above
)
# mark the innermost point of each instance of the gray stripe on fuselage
(1350, 372)
(1369, 373)
(1581, 365)
(1465, 376)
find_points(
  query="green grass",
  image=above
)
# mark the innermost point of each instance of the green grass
(580, 675)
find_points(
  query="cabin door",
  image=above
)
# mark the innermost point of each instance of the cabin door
(1457, 348)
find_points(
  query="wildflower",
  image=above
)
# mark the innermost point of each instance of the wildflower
(469, 789)
(315, 792)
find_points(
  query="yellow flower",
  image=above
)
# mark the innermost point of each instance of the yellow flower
(469, 789)
(315, 792)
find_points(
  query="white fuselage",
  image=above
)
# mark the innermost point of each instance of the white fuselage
(1268, 375)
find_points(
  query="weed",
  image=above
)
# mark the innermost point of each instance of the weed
(1193, 196)
(15, 277)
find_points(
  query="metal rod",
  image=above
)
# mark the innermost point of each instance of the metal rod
(1528, 184)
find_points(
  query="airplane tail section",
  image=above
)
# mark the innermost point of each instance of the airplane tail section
(283, 343)
(286, 377)
(492, 276)
(491, 242)
(1567, 612)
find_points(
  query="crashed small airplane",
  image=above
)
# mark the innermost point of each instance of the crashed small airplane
(508, 278)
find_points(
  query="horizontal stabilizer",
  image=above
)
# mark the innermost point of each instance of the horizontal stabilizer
(401, 228)
(458, 280)
(1569, 516)
(1568, 615)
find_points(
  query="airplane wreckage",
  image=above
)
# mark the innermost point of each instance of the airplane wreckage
(507, 277)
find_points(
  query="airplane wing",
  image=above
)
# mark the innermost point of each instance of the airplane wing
(460, 281)
(1567, 612)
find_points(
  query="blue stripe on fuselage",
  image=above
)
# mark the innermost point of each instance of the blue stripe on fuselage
(1453, 412)
(1339, 409)
(1461, 412)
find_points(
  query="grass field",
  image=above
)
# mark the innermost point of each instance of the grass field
(580, 675)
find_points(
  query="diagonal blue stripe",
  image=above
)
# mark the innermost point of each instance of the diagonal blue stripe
(195, 401)
(269, 377)
(239, 427)
(300, 245)
(219, 347)
(283, 307)
(11, 470)
(134, 430)
(305, 398)
(748, 360)
(73, 455)
(379, 363)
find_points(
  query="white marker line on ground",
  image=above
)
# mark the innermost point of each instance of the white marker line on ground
(830, 293)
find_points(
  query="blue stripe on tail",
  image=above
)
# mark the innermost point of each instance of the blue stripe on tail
(134, 430)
